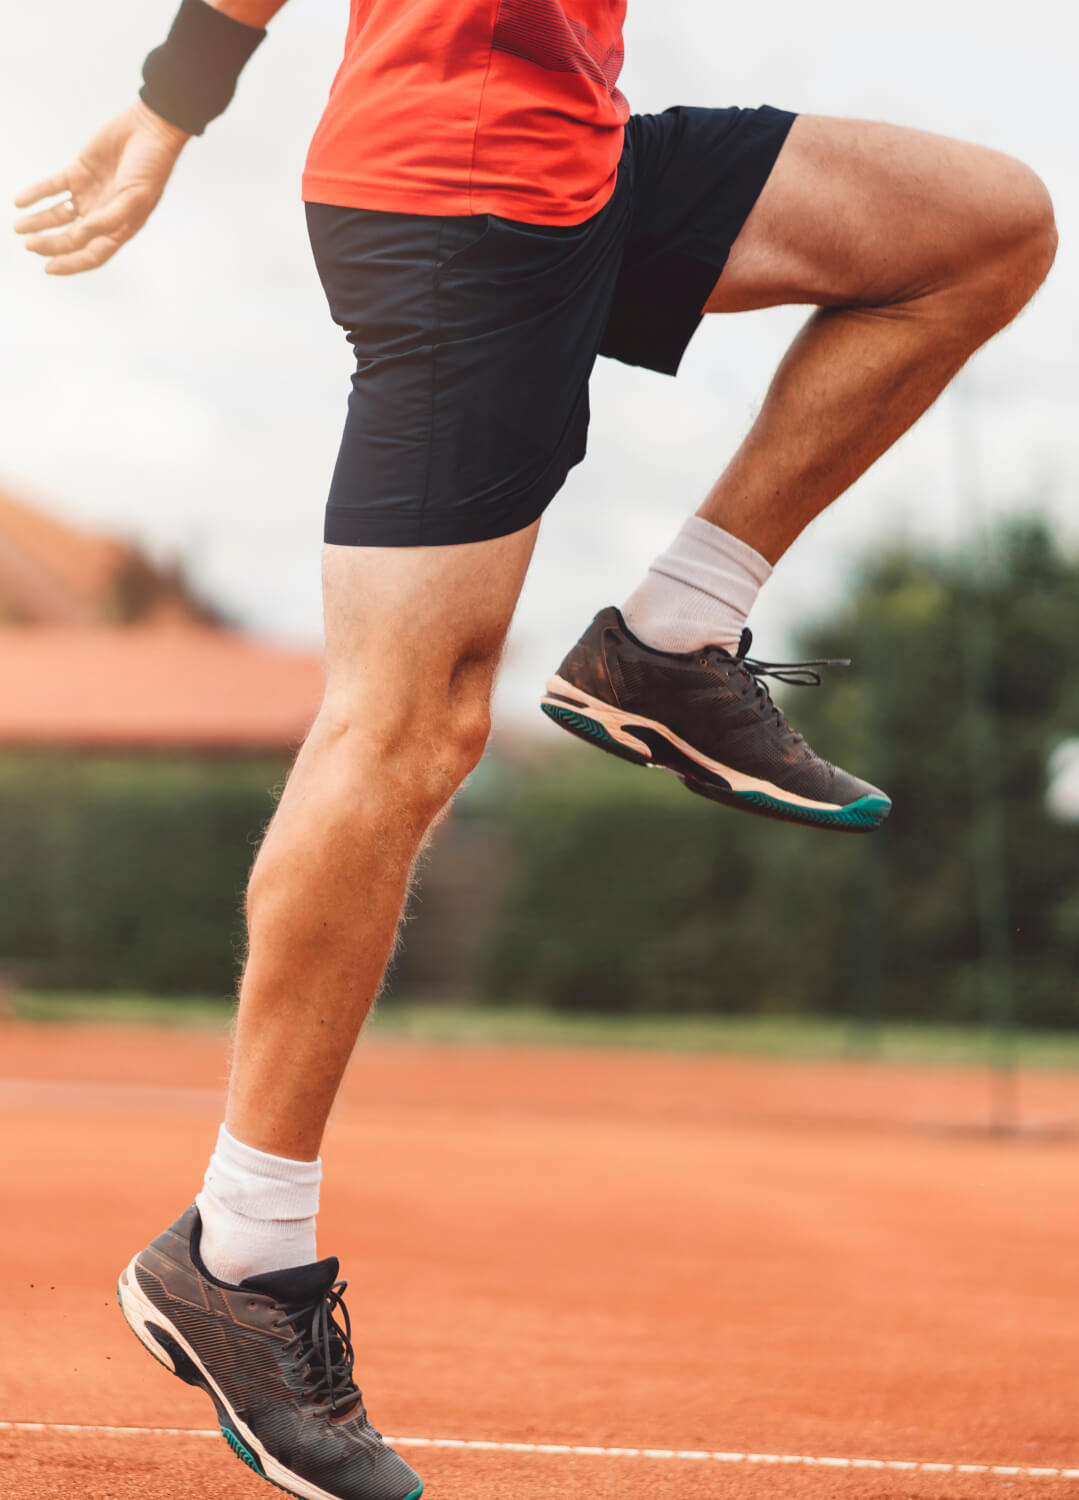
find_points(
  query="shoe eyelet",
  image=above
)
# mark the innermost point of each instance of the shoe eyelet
(702, 661)
(252, 1305)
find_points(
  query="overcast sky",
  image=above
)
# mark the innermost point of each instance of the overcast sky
(190, 395)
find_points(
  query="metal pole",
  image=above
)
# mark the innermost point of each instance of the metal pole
(988, 852)
(869, 934)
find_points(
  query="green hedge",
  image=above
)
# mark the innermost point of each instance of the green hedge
(584, 884)
(125, 872)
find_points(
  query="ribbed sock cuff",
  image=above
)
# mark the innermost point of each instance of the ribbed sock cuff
(710, 559)
(261, 1186)
(699, 591)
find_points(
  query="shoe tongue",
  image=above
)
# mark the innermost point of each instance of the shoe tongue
(296, 1286)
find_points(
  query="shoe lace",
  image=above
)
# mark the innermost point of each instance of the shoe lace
(796, 673)
(323, 1349)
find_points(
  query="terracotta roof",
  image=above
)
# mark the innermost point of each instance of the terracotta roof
(153, 687)
(56, 574)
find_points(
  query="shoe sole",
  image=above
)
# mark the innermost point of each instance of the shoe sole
(161, 1338)
(646, 742)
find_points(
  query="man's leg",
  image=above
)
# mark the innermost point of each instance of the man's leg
(915, 249)
(230, 1297)
(413, 637)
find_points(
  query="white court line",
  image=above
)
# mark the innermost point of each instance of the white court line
(686, 1455)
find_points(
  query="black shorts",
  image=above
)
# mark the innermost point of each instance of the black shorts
(475, 337)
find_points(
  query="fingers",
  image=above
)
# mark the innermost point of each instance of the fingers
(118, 222)
(95, 254)
(48, 218)
(47, 188)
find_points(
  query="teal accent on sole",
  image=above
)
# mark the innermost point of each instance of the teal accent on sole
(863, 816)
(242, 1453)
(859, 817)
(416, 1493)
(579, 724)
(588, 729)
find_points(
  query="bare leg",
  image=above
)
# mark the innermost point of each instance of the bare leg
(413, 637)
(916, 249)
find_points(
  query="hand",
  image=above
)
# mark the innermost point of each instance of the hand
(112, 186)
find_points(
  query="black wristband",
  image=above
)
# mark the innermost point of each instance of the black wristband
(191, 77)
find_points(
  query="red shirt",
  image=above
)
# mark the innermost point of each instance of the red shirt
(507, 107)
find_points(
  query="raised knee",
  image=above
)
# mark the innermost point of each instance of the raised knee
(1020, 241)
(1034, 227)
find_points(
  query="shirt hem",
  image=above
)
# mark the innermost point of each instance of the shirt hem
(437, 203)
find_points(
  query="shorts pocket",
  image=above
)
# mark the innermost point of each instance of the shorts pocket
(460, 239)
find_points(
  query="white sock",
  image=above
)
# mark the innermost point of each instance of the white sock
(258, 1211)
(698, 592)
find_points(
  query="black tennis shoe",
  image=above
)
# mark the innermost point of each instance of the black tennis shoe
(707, 716)
(275, 1362)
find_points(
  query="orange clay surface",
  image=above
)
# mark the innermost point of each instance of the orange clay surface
(580, 1247)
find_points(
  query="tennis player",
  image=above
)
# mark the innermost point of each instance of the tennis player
(487, 217)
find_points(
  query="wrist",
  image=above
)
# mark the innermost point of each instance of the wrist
(169, 134)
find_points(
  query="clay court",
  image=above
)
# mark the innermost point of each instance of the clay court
(792, 1279)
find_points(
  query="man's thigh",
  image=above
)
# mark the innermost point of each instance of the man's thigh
(405, 624)
(860, 213)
